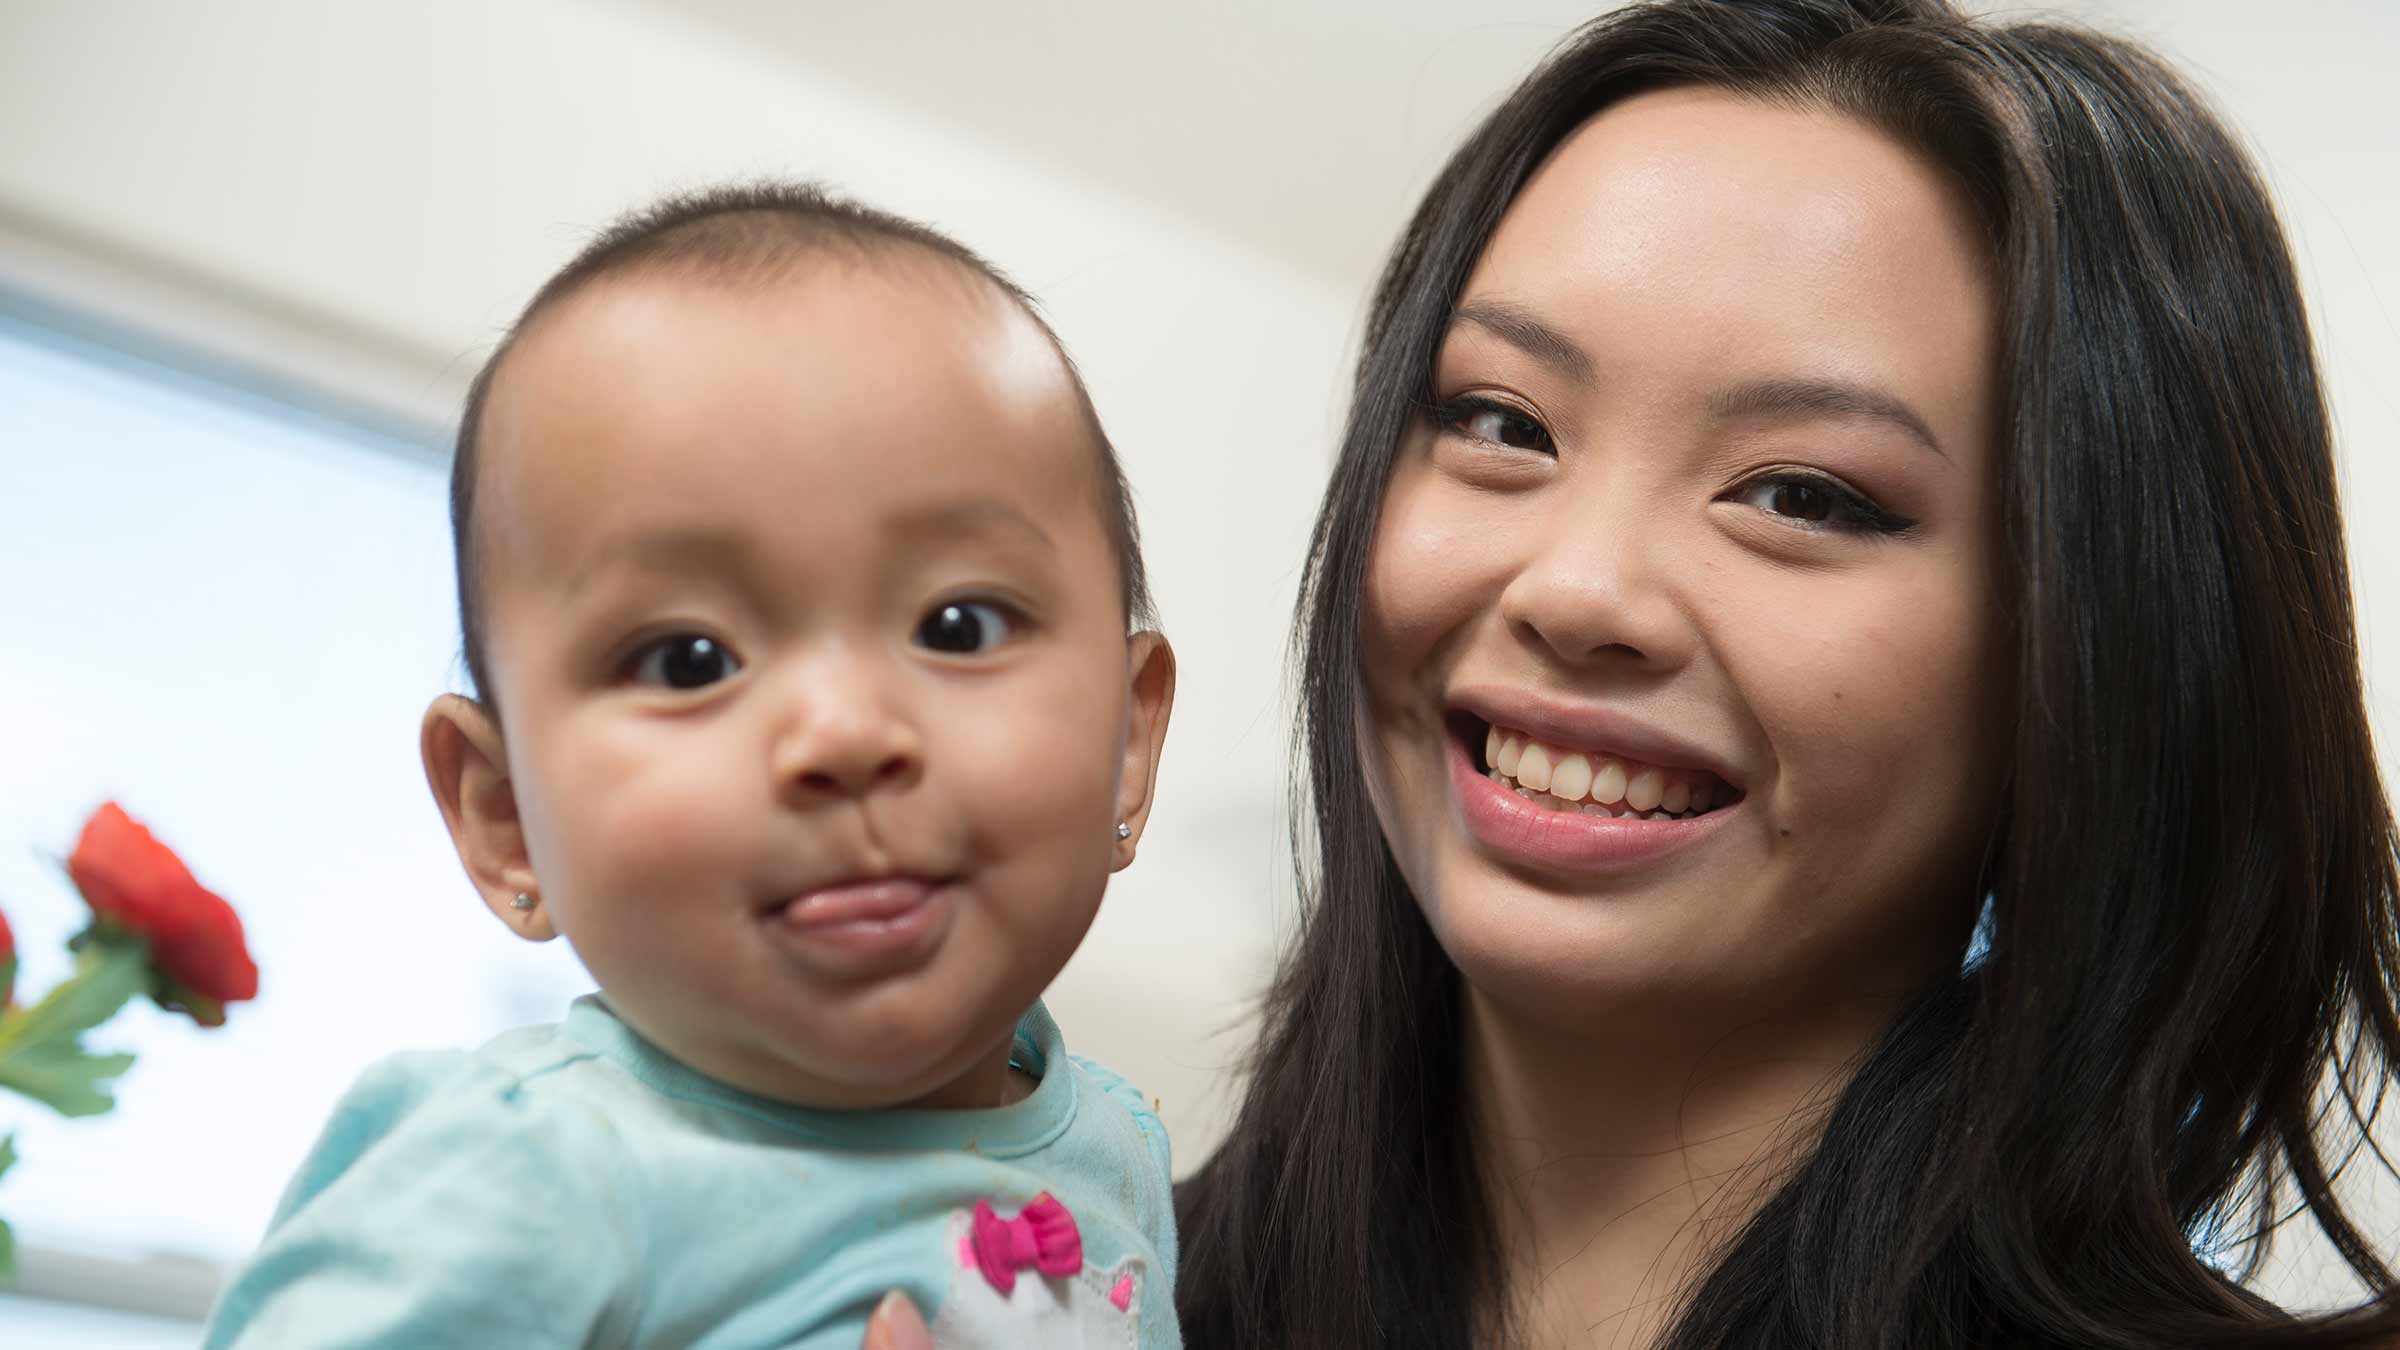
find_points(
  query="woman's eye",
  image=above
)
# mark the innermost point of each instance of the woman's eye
(684, 661)
(964, 626)
(1482, 419)
(1812, 502)
(1801, 501)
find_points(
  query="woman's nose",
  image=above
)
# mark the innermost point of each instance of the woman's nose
(846, 732)
(1595, 587)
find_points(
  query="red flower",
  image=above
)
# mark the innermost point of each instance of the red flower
(8, 963)
(137, 883)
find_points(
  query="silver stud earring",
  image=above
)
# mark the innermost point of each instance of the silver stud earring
(1124, 831)
(520, 901)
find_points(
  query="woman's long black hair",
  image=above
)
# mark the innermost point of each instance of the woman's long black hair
(2187, 1007)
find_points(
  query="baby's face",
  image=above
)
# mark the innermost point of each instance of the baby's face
(819, 709)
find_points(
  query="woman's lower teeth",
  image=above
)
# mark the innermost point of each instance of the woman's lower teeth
(1619, 810)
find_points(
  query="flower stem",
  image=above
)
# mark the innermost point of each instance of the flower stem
(41, 1050)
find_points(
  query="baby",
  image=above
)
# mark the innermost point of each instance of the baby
(797, 580)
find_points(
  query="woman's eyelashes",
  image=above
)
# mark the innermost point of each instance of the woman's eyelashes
(966, 627)
(1801, 498)
(1492, 422)
(1805, 499)
(681, 661)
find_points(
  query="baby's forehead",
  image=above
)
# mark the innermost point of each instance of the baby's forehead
(913, 303)
(892, 328)
(662, 376)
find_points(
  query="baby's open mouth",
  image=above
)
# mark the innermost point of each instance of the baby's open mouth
(1591, 782)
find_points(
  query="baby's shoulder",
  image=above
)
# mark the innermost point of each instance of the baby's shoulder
(448, 1189)
(531, 1071)
(531, 1091)
(1117, 1098)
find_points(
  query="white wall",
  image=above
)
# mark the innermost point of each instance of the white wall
(352, 198)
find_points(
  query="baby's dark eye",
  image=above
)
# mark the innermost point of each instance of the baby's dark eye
(683, 661)
(964, 626)
(1812, 502)
(1495, 423)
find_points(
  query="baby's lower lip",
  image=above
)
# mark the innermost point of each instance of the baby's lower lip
(863, 929)
(855, 902)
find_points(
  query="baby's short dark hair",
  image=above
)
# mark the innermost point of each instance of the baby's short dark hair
(737, 231)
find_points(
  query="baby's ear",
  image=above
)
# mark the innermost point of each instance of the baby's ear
(1150, 675)
(467, 765)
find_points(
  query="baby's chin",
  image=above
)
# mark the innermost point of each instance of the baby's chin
(880, 1049)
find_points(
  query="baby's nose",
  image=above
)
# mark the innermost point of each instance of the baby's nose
(848, 740)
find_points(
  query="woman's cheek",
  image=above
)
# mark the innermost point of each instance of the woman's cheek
(1874, 699)
(1432, 567)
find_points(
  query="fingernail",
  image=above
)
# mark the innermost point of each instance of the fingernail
(896, 1325)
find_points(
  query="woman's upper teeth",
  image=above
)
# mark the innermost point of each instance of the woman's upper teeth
(1610, 780)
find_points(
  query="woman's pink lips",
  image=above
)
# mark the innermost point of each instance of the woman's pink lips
(1513, 827)
(862, 928)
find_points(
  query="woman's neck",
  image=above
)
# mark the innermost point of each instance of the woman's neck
(1618, 1163)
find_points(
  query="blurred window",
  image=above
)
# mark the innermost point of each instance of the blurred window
(227, 613)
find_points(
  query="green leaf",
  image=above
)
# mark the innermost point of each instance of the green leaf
(107, 974)
(8, 1240)
(63, 1076)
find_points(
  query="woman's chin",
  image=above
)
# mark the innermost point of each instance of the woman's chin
(1570, 957)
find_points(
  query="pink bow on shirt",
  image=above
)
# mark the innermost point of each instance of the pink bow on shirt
(1042, 1237)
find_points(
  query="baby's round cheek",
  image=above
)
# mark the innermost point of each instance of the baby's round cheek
(1045, 766)
(629, 811)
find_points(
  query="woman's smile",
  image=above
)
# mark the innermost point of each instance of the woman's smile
(1569, 786)
(1543, 828)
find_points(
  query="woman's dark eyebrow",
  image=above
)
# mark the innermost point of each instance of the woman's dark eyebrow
(1790, 398)
(1516, 326)
(1799, 399)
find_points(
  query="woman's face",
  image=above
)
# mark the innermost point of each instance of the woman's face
(1685, 677)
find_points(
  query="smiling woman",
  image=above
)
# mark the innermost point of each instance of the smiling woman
(1824, 474)
(1702, 565)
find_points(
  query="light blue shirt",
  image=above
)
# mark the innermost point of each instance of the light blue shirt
(572, 1185)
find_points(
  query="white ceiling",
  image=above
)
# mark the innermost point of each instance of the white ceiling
(1307, 129)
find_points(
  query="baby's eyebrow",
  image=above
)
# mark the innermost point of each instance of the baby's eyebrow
(695, 548)
(705, 548)
(972, 515)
